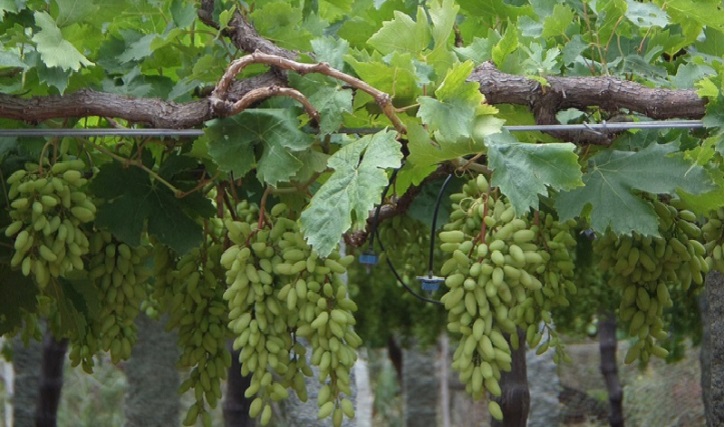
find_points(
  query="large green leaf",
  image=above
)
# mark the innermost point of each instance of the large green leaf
(55, 51)
(524, 171)
(426, 154)
(232, 143)
(402, 34)
(443, 16)
(331, 103)
(395, 75)
(506, 46)
(78, 303)
(134, 202)
(18, 294)
(72, 11)
(609, 196)
(451, 114)
(556, 23)
(346, 198)
(281, 22)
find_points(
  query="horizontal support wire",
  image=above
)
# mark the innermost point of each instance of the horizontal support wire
(603, 127)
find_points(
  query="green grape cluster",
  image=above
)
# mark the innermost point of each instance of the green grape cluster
(47, 208)
(281, 293)
(712, 233)
(644, 268)
(118, 272)
(556, 245)
(492, 275)
(593, 296)
(194, 291)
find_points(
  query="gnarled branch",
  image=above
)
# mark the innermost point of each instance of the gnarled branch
(607, 93)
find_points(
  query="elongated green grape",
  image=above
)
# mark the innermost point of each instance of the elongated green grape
(281, 295)
(192, 289)
(647, 269)
(48, 208)
(496, 279)
(119, 273)
(712, 233)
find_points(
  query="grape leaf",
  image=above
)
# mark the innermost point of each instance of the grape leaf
(331, 103)
(507, 45)
(556, 23)
(230, 151)
(331, 50)
(19, 293)
(693, 11)
(72, 11)
(78, 302)
(402, 34)
(451, 114)
(479, 49)
(139, 49)
(614, 176)
(346, 198)
(426, 154)
(232, 141)
(281, 22)
(54, 50)
(395, 74)
(11, 60)
(53, 76)
(133, 201)
(573, 49)
(443, 16)
(645, 15)
(182, 12)
(8, 6)
(523, 171)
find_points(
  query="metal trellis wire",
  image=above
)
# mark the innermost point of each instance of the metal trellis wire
(603, 127)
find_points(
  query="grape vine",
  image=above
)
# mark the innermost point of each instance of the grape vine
(322, 118)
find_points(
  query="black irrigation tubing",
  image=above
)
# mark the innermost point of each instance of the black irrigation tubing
(598, 128)
(433, 225)
(374, 234)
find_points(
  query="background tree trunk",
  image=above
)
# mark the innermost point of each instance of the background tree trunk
(26, 363)
(152, 398)
(420, 386)
(711, 352)
(50, 381)
(515, 399)
(544, 389)
(608, 367)
(236, 406)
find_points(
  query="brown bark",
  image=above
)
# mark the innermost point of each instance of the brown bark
(236, 405)
(711, 352)
(155, 113)
(607, 93)
(395, 354)
(51, 381)
(242, 34)
(515, 399)
(608, 367)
